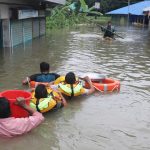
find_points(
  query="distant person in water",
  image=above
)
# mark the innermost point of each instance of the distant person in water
(44, 76)
(109, 31)
(10, 126)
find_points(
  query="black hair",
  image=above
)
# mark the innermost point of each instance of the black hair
(70, 78)
(40, 92)
(4, 108)
(44, 67)
(109, 22)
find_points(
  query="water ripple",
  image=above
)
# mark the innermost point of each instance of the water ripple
(100, 121)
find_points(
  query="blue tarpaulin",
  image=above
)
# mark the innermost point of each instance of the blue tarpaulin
(134, 9)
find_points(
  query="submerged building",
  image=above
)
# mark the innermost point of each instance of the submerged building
(23, 20)
(133, 13)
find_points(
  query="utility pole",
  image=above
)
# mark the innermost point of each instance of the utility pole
(97, 6)
(128, 11)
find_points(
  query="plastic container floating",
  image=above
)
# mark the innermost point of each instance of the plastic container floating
(11, 95)
(93, 76)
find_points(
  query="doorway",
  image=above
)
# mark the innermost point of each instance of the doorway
(1, 34)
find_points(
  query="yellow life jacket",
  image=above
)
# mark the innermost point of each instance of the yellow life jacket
(45, 104)
(59, 80)
(66, 88)
(62, 79)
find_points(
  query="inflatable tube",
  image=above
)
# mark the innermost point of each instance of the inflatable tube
(108, 38)
(11, 95)
(106, 85)
(33, 84)
(59, 80)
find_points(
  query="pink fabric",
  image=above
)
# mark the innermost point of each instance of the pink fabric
(10, 127)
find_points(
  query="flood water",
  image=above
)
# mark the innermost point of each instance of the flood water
(116, 121)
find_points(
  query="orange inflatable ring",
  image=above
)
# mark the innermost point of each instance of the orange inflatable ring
(33, 84)
(106, 85)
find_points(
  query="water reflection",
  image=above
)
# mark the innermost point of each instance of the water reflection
(101, 121)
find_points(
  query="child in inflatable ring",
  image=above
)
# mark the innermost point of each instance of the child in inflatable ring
(70, 86)
(45, 99)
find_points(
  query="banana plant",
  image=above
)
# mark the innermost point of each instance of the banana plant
(84, 8)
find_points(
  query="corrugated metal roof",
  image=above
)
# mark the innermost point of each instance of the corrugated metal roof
(135, 9)
(146, 9)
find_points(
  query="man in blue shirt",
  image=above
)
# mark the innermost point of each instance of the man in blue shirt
(44, 76)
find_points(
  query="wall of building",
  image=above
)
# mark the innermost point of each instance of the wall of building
(31, 2)
(16, 1)
(57, 1)
(19, 26)
(133, 19)
(20, 30)
(4, 11)
(26, 29)
(1, 35)
(120, 19)
(6, 33)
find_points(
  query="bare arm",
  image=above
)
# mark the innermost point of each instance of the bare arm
(26, 124)
(92, 89)
(50, 83)
(26, 81)
(21, 102)
(63, 99)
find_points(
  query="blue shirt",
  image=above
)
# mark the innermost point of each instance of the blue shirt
(48, 77)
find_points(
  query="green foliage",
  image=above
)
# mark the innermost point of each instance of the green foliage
(99, 20)
(61, 17)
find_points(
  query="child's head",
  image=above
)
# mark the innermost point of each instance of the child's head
(109, 22)
(4, 108)
(44, 67)
(41, 91)
(70, 78)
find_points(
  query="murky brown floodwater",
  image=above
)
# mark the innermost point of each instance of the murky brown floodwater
(117, 121)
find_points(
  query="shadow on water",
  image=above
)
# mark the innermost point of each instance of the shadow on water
(101, 121)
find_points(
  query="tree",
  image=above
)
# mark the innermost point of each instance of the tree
(108, 5)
